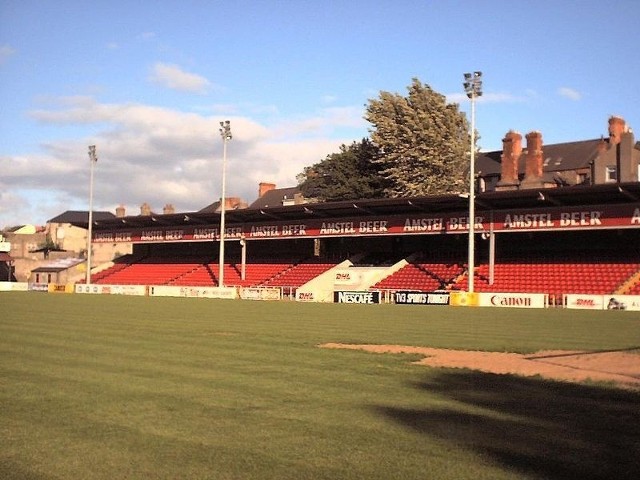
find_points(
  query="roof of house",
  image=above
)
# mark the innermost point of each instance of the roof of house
(556, 157)
(211, 208)
(79, 217)
(275, 197)
(59, 265)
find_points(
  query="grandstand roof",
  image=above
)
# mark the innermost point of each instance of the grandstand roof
(579, 195)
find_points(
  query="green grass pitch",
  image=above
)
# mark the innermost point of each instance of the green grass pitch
(113, 387)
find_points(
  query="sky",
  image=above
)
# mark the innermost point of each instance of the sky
(148, 82)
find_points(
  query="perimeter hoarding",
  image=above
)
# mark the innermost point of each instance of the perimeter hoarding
(602, 302)
(554, 218)
(356, 297)
(421, 298)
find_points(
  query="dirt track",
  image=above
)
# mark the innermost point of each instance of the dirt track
(620, 367)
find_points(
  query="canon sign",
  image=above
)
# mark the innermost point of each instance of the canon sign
(510, 301)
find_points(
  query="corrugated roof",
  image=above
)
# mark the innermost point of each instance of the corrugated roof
(583, 195)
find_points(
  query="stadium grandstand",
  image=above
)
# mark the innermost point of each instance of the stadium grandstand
(555, 220)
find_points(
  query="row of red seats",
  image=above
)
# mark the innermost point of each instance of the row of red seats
(157, 272)
(425, 277)
(555, 278)
(298, 275)
(551, 277)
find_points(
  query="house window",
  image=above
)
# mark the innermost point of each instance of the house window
(611, 174)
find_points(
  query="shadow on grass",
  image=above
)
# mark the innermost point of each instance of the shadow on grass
(546, 429)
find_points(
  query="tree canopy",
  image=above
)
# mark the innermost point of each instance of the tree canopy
(348, 174)
(423, 142)
(419, 146)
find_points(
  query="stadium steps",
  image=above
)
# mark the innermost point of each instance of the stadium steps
(298, 274)
(631, 285)
(422, 276)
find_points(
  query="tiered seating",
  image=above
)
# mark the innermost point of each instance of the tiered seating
(298, 275)
(553, 277)
(424, 277)
(150, 271)
(255, 273)
(187, 272)
(634, 290)
(201, 276)
(103, 276)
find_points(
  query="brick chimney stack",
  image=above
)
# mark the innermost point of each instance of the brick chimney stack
(617, 126)
(534, 159)
(265, 187)
(511, 151)
(533, 162)
(232, 203)
(120, 211)
(168, 209)
(145, 209)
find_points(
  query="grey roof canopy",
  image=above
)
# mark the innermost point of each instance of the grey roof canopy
(579, 195)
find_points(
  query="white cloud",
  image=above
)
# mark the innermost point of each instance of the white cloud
(5, 52)
(160, 155)
(173, 77)
(325, 120)
(569, 93)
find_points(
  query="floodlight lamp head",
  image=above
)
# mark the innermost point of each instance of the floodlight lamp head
(92, 153)
(225, 131)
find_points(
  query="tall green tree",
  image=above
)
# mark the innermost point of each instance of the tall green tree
(348, 174)
(422, 141)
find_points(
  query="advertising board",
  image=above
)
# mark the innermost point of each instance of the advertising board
(260, 293)
(421, 298)
(584, 302)
(192, 292)
(356, 297)
(602, 302)
(513, 300)
(557, 218)
(99, 289)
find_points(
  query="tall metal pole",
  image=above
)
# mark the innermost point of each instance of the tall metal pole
(225, 132)
(473, 88)
(92, 159)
